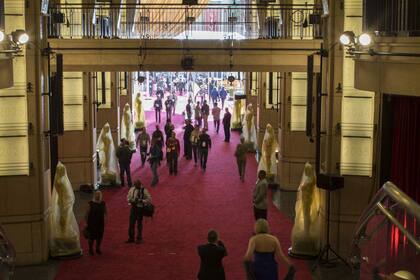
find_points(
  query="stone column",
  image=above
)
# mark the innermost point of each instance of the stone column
(25, 185)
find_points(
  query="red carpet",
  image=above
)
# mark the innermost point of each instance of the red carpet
(187, 206)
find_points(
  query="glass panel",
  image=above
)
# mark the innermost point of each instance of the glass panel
(14, 156)
(298, 101)
(73, 100)
(107, 105)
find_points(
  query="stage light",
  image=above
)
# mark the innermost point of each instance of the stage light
(347, 38)
(2, 35)
(20, 37)
(365, 39)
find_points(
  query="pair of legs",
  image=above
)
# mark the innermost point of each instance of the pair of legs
(154, 167)
(125, 168)
(187, 149)
(260, 213)
(216, 125)
(143, 154)
(241, 168)
(227, 133)
(98, 246)
(173, 163)
(195, 153)
(206, 124)
(136, 216)
(203, 158)
(157, 115)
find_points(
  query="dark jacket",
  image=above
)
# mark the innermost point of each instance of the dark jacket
(157, 104)
(124, 154)
(204, 141)
(226, 119)
(211, 266)
(187, 133)
(157, 136)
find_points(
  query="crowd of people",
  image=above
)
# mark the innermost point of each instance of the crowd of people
(263, 249)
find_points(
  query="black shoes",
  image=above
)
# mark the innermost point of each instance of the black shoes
(98, 251)
(129, 241)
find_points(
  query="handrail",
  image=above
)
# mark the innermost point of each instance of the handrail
(403, 200)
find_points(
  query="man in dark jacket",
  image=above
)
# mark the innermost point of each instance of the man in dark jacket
(211, 255)
(172, 153)
(226, 124)
(124, 159)
(188, 128)
(157, 135)
(168, 108)
(154, 160)
(240, 154)
(158, 107)
(204, 144)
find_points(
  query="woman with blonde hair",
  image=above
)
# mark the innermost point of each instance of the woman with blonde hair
(95, 220)
(263, 249)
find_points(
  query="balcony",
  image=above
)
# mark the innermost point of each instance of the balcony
(177, 21)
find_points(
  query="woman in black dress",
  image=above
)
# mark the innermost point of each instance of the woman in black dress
(95, 219)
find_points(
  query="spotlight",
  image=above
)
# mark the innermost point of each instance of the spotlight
(20, 37)
(1, 36)
(347, 38)
(365, 39)
(231, 79)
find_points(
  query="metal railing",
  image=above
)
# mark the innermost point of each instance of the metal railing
(172, 21)
(385, 240)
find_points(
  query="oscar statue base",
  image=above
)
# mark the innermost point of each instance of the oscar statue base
(300, 256)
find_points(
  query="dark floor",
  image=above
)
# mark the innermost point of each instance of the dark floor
(284, 201)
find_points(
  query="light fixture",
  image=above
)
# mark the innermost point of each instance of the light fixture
(347, 38)
(365, 39)
(2, 35)
(20, 37)
(231, 79)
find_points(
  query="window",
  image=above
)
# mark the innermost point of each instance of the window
(272, 85)
(103, 89)
(298, 101)
(73, 100)
(254, 84)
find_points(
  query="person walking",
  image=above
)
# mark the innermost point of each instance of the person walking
(169, 128)
(194, 142)
(143, 142)
(240, 154)
(95, 222)
(263, 250)
(211, 256)
(223, 95)
(188, 129)
(158, 107)
(197, 114)
(216, 117)
(168, 108)
(138, 196)
(205, 111)
(124, 155)
(173, 148)
(226, 124)
(188, 109)
(204, 144)
(154, 160)
(157, 136)
(259, 196)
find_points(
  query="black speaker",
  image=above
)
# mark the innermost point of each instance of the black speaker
(240, 96)
(57, 17)
(314, 19)
(330, 182)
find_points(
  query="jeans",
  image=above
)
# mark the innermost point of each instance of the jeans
(227, 132)
(241, 168)
(143, 154)
(154, 167)
(125, 168)
(217, 125)
(203, 158)
(194, 149)
(157, 115)
(136, 216)
(173, 162)
(187, 149)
